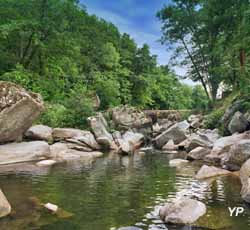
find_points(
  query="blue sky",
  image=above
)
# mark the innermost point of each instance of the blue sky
(137, 18)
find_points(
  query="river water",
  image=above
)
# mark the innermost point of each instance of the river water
(114, 192)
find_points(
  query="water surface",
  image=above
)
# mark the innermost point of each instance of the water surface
(114, 192)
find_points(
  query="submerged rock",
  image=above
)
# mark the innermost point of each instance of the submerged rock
(177, 133)
(39, 132)
(238, 123)
(5, 207)
(210, 171)
(24, 151)
(182, 211)
(18, 110)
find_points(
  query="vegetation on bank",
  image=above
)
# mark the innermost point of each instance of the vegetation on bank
(55, 48)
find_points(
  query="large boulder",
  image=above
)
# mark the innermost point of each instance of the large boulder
(39, 132)
(62, 152)
(195, 120)
(237, 155)
(24, 151)
(245, 181)
(198, 153)
(126, 117)
(177, 133)
(18, 110)
(203, 138)
(77, 136)
(129, 142)
(223, 145)
(210, 171)
(99, 127)
(5, 207)
(182, 211)
(238, 123)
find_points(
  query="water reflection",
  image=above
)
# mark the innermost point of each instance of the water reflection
(112, 192)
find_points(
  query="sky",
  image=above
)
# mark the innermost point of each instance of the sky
(138, 19)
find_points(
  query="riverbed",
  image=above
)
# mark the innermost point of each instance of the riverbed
(113, 192)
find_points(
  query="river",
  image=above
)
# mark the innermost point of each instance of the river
(114, 192)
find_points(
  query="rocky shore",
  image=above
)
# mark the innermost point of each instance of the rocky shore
(124, 130)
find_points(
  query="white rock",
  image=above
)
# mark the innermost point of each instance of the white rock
(46, 163)
(51, 207)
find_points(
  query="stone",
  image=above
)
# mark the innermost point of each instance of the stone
(62, 153)
(39, 132)
(46, 163)
(170, 146)
(210, 171)
(195, 120)
(237, 155)
(177, 162)
(245, 181)
(182, 211)
(129, 228)
(51, 207)
(18, 110)
(127, 117)
(130, 141)
(223, 145)
(99, 127)
(23, 152)
(198, 153)
(177, 133)
(203, 138)
(77, 136)
(238, 123)
(5, 207)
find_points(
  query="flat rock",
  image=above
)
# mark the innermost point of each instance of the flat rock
(61, 152)
(210, 171)
(18, 110)
(39, 132)
(5, 207)
(45, 163)
(177, 162)
(23, 152)
(182, 211)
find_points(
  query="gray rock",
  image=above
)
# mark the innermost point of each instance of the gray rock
(130, 141)
(5, 207)
(61, 152)
(126, 117)
(170, 146)
(130, 228)
(195, 120)
(177, 162)
(237, 155)
(177, 133)
(182, 211)
(98, 125)
(238, 123)
(77, 136)
(245, 181)
(223, 145)
(210, 171)
(198, 153)
(39, 132)
(18, 110)
(23, 152)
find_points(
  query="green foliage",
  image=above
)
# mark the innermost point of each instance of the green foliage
(57, 49)
(213, 120)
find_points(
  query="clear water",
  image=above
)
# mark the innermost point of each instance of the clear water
(114, 192)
